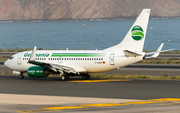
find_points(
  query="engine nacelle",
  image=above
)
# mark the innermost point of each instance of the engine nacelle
(37, 71)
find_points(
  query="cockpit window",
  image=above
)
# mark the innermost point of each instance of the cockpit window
(11, 58)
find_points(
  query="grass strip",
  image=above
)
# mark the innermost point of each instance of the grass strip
(100, 75)
(134, 76)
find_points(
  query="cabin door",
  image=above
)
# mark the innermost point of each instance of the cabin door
(19, 59)
(111, 59)
(60, 59)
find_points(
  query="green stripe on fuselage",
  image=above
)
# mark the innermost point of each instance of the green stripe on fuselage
(78, 55)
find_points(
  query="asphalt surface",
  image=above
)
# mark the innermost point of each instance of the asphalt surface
(7, 53)
(135, 89)
(88, 96)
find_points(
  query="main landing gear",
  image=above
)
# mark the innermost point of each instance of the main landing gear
(85, 76)
(65, 77)
(21, 76)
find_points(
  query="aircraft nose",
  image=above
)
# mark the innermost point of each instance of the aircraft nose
(6, 63)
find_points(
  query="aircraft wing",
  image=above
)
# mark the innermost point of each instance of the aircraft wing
(156, 53)
(56, 67)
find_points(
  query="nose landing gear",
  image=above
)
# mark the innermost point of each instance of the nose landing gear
(21, 76)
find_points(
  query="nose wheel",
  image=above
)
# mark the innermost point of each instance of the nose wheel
(21, 76)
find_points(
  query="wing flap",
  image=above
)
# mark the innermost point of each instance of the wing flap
(69, 68)
(133, 54)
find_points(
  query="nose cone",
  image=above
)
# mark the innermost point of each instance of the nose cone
(6, 63)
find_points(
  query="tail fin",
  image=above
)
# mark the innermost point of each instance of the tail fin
(134, 39)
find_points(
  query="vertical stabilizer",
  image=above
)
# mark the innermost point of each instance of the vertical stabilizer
(134, 39)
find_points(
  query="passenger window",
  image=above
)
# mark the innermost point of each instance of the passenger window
(90, 59)
(101, 58)
(64, 58)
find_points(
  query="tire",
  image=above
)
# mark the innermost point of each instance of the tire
(85, 77)
(21, 77)
(63, 78)
(67, 77)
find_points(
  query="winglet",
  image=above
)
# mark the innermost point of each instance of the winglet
(33, 55)
(156, 53)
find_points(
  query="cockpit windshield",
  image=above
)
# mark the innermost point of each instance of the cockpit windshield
(11, 58)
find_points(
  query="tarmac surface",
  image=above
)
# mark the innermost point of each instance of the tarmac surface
(52, 95)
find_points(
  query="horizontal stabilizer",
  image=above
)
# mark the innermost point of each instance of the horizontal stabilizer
(132, 54)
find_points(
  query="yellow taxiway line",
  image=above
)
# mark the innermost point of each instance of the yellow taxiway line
(106, 80)
(83, 106)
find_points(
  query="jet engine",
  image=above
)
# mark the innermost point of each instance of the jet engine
(38, 71)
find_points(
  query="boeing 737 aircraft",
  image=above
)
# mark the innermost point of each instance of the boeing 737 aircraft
(41, 63)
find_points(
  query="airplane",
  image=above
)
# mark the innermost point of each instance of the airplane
(66, 63)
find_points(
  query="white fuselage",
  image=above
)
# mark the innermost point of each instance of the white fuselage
(92, 61)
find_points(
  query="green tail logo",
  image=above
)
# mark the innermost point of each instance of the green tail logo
(137, 33)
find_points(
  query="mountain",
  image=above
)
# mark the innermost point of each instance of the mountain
(85, 9)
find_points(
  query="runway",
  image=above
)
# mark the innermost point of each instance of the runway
(78, 92)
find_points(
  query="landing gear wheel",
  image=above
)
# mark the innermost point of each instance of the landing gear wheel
(86, 76)
(67, 77)
(64, 77)
(21, 76)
